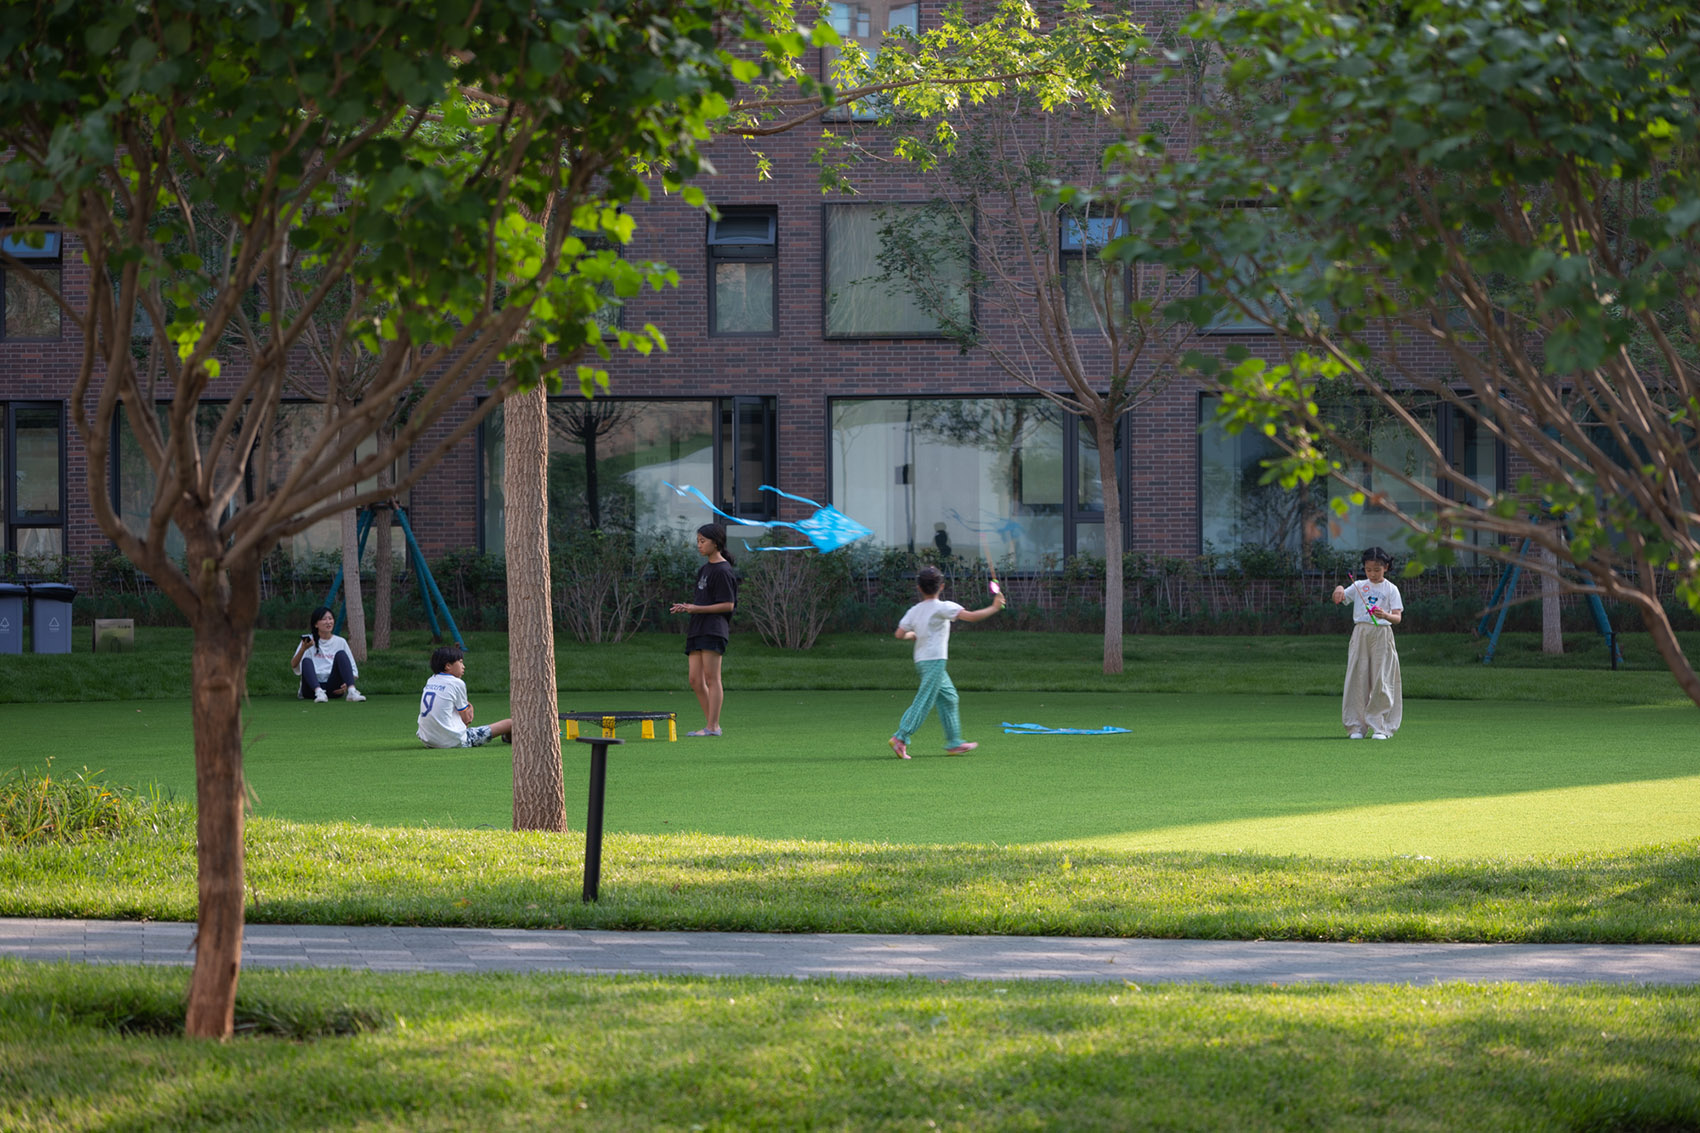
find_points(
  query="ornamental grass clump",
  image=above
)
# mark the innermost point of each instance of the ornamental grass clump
(42, 808)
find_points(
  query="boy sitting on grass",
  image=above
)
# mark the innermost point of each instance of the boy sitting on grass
(445, 713)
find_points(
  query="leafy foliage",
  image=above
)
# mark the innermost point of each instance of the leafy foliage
(1494, 205)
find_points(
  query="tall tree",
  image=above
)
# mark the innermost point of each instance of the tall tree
(1093, 338)
(310, 128)
(1495, 206)
(962, 60)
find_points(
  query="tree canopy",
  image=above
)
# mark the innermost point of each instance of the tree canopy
(1491, 206)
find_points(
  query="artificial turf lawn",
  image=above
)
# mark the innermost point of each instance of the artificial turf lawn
(1206, 772)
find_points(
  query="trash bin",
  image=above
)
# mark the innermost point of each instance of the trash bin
(12, 617)
(50, 617)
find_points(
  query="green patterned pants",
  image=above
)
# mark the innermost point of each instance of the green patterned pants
(935, 689)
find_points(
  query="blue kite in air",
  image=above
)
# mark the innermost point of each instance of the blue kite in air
(1040, 730)
(828, 528)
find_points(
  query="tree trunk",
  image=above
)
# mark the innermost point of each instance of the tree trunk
(383, 580)
(1670, 649)
(219, 674)
(1552, 626)
(1105, 430)
(383, 571)
(351, 587)
(539, 792)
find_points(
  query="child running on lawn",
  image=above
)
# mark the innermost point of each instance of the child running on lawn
(927, 624)
(1374, 700)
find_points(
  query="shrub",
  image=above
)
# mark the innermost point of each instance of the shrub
(601, 584)
(45, 809)
(790, 595)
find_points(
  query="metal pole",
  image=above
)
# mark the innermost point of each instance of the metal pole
(593, 822)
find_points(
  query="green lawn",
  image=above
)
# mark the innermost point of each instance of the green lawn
(641, 1053)
(1200, 771)
(1532, 800)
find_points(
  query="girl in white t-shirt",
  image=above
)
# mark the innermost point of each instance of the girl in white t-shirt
(325, 662)
(927, 624)
(1374, 699)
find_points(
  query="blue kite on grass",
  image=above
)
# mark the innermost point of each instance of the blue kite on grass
(1040, 730)
(827, 529)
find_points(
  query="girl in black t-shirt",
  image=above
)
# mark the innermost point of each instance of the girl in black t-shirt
(710, 626)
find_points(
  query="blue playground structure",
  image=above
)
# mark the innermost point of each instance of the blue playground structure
(1499, 603)
(428, 591)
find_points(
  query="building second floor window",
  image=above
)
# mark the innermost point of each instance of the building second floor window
(743, 260)
(26, 310)
(895, 271)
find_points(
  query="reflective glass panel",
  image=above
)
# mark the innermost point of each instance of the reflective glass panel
(988, 469)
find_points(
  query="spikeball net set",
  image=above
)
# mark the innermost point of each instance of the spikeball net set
(609, 721)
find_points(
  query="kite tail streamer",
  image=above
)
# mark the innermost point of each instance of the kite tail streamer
(687, 490)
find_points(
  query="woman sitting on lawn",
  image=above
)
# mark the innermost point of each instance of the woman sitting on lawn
(325, 662)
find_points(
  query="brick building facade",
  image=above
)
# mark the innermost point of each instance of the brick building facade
(772, 378)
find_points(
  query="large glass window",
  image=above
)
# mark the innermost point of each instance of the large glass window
(34, 460)
(743, 256)
(866, 25)
(610, 462)
(894, 271)
(26, 311)
(1237, 510)
(983, 473)
(298, 423)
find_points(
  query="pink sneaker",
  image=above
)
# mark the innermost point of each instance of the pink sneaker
(901, 748)
(961, 749)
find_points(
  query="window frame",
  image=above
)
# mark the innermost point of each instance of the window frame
(1072, 516)
(936, 335)
(719, 406)
(1232, 323)
(16, 519)
(725, 249)
(49, 257)
(1447, 435)
(872, 44)
(1073, 250)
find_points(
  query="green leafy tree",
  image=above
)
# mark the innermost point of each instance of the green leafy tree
(335, 141)
(1493, 207)
(1020, 219)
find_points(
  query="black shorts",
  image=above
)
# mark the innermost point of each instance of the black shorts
(705, 645)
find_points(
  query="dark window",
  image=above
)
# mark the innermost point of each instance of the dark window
(26, 310)
(1094, 291)
(34, 489)
(743, 260)
(746, 456)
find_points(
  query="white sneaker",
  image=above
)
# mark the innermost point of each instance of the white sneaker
(353, 695)
(319, 696)
(1356, 736)
(1381, 735)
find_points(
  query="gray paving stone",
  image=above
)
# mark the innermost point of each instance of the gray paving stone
(821, 955)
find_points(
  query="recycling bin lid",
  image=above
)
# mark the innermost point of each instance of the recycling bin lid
(13, 590)
(61, 590)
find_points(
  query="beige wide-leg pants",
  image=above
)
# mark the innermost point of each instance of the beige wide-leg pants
(1374, 700)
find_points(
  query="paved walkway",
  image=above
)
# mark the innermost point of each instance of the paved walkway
(593, 951)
